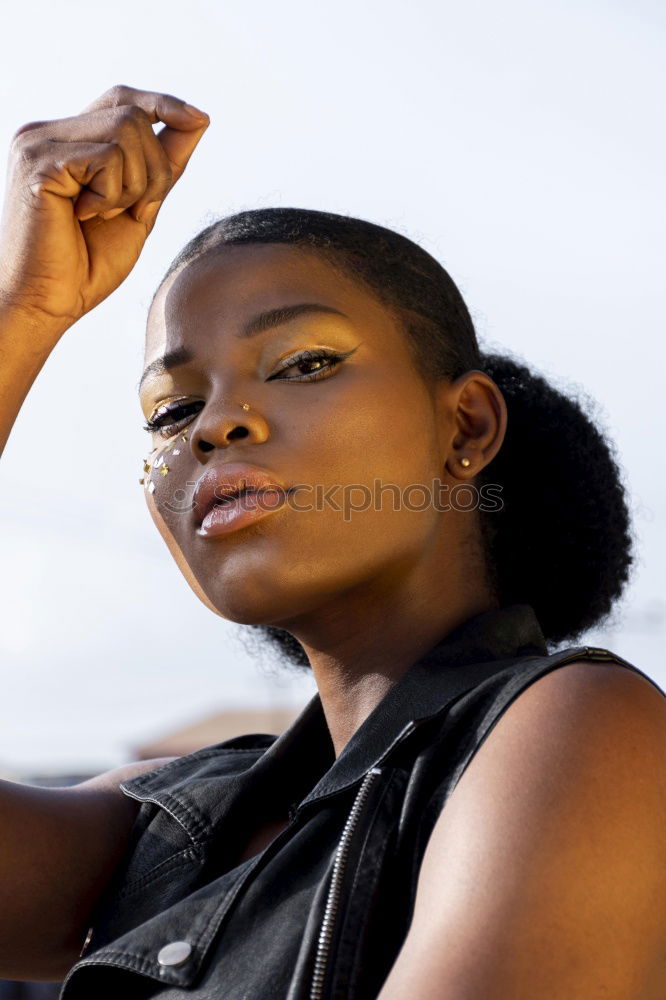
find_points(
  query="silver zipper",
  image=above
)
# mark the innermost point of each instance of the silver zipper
(87, 941)
(333, 897)
(341, 854)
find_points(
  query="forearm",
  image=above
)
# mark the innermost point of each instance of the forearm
(26, 340)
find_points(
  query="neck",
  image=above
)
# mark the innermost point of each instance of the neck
(362, 644)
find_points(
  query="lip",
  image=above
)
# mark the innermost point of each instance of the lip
(213, 518)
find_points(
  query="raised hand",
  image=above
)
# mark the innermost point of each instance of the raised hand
(82, 196)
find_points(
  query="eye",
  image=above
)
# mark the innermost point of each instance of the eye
(158, 425)
(323, 362)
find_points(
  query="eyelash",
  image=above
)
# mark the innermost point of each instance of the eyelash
(166, 430)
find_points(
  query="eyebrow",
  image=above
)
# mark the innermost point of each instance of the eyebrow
(258, 324)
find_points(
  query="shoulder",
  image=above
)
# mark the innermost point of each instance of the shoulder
(544, 872)
(584, 733)
(582, 704)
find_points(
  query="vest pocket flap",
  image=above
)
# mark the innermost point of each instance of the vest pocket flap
(128, 937)
(158, 843)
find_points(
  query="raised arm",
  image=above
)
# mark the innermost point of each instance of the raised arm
(81, 198)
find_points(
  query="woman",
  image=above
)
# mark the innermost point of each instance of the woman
(459, 812)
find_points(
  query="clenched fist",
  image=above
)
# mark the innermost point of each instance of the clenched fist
(82, 196)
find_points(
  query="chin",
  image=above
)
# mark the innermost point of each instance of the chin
(239, 605)
(263, 597)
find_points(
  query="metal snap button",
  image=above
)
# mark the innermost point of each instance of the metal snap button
(174, 953)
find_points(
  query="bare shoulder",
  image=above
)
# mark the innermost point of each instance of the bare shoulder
(586, 743)
(579, 729)
(609, 681)
(589, 706)
(545, 874)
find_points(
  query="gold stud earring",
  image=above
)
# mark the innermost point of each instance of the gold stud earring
(246, 406)
(465, 462)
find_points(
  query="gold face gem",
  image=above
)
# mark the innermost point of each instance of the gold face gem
(141, 481)
(164, 469)
(146, 466)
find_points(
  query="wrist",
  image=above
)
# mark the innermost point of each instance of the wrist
(45, 329)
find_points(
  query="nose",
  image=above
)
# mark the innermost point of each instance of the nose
(219, 426)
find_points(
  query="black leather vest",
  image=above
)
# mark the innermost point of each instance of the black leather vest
(323, 910)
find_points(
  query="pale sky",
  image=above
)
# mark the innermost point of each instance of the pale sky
(522, 144)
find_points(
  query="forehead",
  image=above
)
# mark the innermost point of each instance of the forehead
(226, 286)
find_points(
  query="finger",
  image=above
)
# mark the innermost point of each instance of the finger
(102, 176)
(145, 166)
(28, 127)
(128, 135)
(151, 164)
(159, 107)
(90, 175)
(159, 174)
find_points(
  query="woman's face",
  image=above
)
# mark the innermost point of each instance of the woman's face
(333, 431)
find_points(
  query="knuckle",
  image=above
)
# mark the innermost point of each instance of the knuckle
(133, 190)
(118, 93)
(164, 175)
(38, 185)
(111, 154)
(27, 152)
(126, 114)
(23, 134)
(163, 171)
(161, 181)
(132, 118)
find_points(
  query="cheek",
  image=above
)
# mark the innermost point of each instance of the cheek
(169, 502)
(387, 438)
(369, 462)
(164, 480)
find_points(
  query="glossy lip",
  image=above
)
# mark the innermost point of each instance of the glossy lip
(231, 477)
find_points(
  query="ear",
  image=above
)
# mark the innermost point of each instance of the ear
(477, 415)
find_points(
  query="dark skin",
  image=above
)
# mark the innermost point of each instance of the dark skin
(547, 850)
(544, 874)
(366, 596)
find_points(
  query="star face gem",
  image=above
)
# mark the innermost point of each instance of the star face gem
(164, 469)
(176, 451)
(158, 461)
(151, 487)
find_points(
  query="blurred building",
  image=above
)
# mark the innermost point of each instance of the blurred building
(214, 729)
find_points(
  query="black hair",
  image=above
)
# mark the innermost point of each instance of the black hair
(561, 540)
